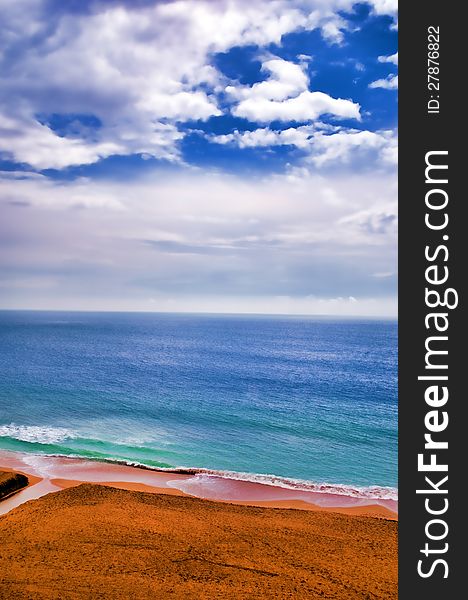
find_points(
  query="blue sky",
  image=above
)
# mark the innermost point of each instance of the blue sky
(213, 156)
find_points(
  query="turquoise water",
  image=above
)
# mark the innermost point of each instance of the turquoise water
(310, 399)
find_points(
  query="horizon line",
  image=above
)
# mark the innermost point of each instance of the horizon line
(208, 313)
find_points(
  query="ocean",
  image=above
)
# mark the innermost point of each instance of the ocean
(293, 401)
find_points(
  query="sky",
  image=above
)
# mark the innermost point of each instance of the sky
(199, 156)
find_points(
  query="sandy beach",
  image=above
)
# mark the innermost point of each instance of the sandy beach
(50, 474)
(92, 541)
(87, 529)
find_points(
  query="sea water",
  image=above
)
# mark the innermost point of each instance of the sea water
(294, 401)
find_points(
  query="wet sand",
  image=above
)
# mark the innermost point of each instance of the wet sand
(94, 541)
(55, 473)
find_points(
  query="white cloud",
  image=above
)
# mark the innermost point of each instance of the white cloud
(35, 144)
(286, 79)
(351, 145)
(141, 69)
(324, 145)
(385, 7)
(307, 106)
(294, 136)
(393, 59)
(389, 83)
(180, 106)
(284, 96)
(332, 30)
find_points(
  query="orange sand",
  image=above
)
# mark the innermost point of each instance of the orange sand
(373, 510)
(122, 485)
(93, 541)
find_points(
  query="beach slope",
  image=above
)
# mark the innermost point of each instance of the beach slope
(93, 541)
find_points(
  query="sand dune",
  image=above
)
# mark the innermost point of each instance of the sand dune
(93, 542)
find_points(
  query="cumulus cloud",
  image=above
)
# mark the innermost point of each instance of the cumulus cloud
(393, 59)
(385, 7)
(285, 80)
(285, 96)
(263, 137)
(28, 141)
(389, 83)
(352, 145)
(323, 144)
(307, 106)
(83, 81)
(144, 67)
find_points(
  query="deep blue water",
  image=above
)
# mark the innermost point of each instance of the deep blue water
(305, 398)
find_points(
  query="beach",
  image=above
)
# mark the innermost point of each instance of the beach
(52, 473)
(95, 541)
(194, 456)
(289, 400)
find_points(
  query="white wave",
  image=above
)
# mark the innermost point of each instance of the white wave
(36, 434)
(375, 492)
(46, 435)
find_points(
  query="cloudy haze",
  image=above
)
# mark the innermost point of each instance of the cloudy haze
(226, 156)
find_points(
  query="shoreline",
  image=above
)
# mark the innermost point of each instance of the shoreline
(51, 474)
(378, 493)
